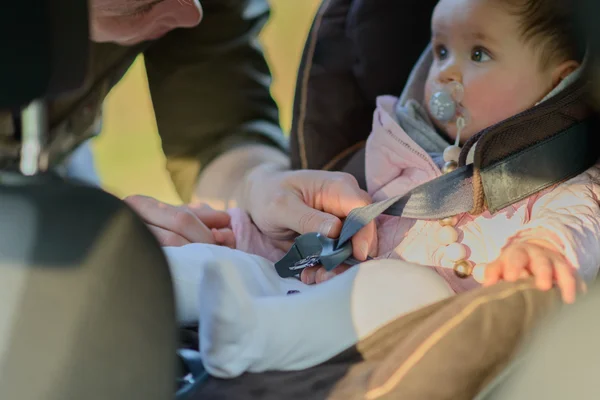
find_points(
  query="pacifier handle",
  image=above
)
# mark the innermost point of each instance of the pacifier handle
(461, 122)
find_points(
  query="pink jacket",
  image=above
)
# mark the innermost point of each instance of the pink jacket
(567, 215)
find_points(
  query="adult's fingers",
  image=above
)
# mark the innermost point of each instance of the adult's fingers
(309, 275)
(151, 210)
(338, 194)
(329, 193)
(168, 238)
(178, 220)
(318, 274)
(323, 275)
(321, 205)
(303, 219)
(210, 217)
(224, 237)
(342, 195)
(291, 213)
(364, 242)
(284, 245)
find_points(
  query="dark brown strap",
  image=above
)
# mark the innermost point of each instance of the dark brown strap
(356, 168)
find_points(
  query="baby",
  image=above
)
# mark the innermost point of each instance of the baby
(497, 58)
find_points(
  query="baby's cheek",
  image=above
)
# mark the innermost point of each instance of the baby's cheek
(493, 101)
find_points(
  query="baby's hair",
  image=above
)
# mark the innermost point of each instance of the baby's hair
(550, 26)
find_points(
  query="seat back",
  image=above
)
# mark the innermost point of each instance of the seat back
(86, 300)
(589, 30)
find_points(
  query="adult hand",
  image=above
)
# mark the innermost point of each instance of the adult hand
(181, 225)
(285, 203)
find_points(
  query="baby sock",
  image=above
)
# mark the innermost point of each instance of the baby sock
(242, 332)
(187, 264)
(228, 321)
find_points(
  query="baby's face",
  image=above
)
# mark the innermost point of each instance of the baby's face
(477, 42)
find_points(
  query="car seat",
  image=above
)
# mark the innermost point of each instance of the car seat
(86, 302)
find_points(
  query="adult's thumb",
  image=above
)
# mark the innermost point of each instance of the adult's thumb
(304, 219)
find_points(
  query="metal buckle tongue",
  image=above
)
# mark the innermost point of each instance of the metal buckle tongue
(313, 249)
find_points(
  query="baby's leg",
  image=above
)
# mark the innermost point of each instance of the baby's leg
(240, 332)
(187, 268)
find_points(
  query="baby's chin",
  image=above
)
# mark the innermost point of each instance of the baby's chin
(449, 130)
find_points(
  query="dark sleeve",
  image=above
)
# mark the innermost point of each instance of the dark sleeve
(210, 85)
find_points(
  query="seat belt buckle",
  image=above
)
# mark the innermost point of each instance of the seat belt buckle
(313, 249)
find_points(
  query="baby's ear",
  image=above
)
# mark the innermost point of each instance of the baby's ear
(563, 70)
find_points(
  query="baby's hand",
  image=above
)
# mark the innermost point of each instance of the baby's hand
(537, 258)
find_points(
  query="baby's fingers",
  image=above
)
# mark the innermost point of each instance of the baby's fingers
(566, 279)
(542, 267)
(492, 273)
(516, 261)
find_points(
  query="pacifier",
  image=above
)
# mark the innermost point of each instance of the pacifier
(445, 103)
(445, 106)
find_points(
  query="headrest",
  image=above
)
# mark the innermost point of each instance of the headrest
(589, 30)
(86, 300)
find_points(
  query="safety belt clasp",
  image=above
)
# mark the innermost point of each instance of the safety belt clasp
(313, 249)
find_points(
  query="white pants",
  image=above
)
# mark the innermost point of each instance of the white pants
(250, 322)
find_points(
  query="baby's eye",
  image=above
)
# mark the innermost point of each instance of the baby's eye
(480, 55)
(441, 52)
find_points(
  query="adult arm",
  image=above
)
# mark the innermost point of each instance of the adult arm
(210, 87)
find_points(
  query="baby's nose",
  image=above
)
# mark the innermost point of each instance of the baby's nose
(450, 73)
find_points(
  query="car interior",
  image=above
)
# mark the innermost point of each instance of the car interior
(85, 314)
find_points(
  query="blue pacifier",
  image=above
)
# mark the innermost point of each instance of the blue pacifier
(445, 103)
(445, 106)
(442, 106)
